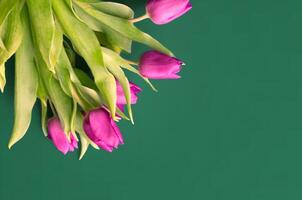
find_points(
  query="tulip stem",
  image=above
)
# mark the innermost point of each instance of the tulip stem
(138, 19)
(131, 62)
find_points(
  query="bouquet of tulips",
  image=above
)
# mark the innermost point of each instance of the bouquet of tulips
(80, 103)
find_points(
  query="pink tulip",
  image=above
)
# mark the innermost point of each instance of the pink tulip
(102, 130)
(165, 11)
(58, 137)
(121, 100)
(156, 65)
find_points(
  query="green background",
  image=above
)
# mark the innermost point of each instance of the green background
(230, 129)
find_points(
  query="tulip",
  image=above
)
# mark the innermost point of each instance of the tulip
(121, 100)
(165, 11)
(102, 130)
(156, 65)
(57, 135)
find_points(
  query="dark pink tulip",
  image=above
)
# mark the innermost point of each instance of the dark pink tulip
(58, 137)
(156, 65)
(121, 100)
(165, 11)
(102, 130)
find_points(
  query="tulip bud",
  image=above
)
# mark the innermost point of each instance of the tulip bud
(102, 130)
(156, 65)
(165, 11)
(121, 100)
(58, 137)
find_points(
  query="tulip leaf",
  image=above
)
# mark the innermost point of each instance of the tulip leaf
(42, 93)
(115, 40)
(87, 90)
(44, 116)
(122, 26)
(6, 6)
(114, 9)
(115, 69)
(85, 79)
(46, 34)
(59, 91)
(26, 86)
(70, 53)
(113, 37)
(11, 39)
(124, 64)
(71, 85)
(88, 97)
(89, 48)
(73, 115)
(62, 102)
(2, 77)
(2, 45)
(63, 73)
(70, 4)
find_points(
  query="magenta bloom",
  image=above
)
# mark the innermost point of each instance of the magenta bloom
(165, 11)
(121, 100)
(102, 130)
(58, 137)
(156, 65)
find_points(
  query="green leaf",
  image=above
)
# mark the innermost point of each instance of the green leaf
(70, 4)
(70, 53)
(44, 116)
(87, 91)
(110, 55)
(62, 69)
(114, 40)
(115, 69)
(26, 85)
(114, 9)
(6, 7)
(123, 26)
(2, 45)
(12, 38)
(85, 79)
(88, 46)
(71, 85)
(88, 97)
(110, 36)
(45, 32)
(2, 77)
(62, 102)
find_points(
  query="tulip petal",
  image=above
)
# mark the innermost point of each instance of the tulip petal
(102, 130)
(165, 11)
(156, 65)
(57, 136)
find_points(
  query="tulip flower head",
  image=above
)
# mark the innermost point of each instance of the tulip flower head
(102, 130)
(165, 11)
(156, 65)
(57, 135)
(121, 100)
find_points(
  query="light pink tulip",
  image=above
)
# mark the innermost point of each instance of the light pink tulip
(102, 130)
(156, 65)
(165, 11)
(58, 137)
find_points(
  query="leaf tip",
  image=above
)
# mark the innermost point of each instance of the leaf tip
(10, 145)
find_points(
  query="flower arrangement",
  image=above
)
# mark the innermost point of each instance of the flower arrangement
(47, 37)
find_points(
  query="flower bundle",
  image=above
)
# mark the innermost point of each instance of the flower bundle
(48, 36)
